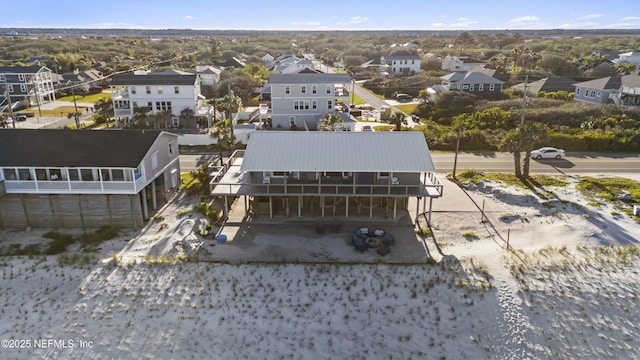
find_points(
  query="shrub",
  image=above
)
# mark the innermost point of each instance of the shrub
(59, 242)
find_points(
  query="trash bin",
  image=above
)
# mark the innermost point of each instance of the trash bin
(636, 210)
(221, 238)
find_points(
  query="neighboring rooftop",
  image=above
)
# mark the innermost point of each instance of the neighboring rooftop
(75, 148)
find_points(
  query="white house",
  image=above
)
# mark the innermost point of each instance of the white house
(303, 99)
(209, 75)
(85, 179)
(267, 60)
(460, 63)
(632, 57)
(170, 91)
(399, 65)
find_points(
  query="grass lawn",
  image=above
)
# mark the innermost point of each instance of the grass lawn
(61, 111)
(93, 98)
(407, 108)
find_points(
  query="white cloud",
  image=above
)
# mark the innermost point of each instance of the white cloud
(189, 17)
(305, 23)
(358, 20)
(589, 17)
(439, 25)
(524, 19)
(630, 18)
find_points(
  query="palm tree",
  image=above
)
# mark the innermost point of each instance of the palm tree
(398, 118)
(217, 104)
(104, 110)
(226, 140)
(187, 115)
(524, 138)
(75, 115)
(330, 120)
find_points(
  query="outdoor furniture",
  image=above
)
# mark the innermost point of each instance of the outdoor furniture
(388, 240)
(358, 243)
(378, 232)
(383, 250)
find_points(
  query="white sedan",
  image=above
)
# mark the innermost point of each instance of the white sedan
(547, 153)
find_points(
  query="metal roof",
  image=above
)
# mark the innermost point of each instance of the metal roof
(153, 79)
(337, 151)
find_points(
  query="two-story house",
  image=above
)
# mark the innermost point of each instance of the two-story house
(337, 175)
(460, 63)
(85, 179)
(621, 90)
(632, 57)
(303, 99)
(170, 91)
(472, 82)
(27, 85)
(399, 65)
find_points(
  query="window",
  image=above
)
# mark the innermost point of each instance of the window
(9, 173)
(480, 87)
(148, 88)
(150, 105)
(73, 175)
(329, 104)
(106, 175)
(303, 89)
(117, 175)
(20, 77)
(471, 87)
(577, 91)
(314, 104)
(328, 89)
(154, 160)
(292, 120)
(176, 89)
(86, 174)
(10, 88)
(171, 148)
(599, 93)
(593, 94)
(55, 174)
(24, 174)
(465, 87)
(287, 89)
(175, 122)
(133, 90)
(383, 175)
(314, 89)
(41, 174)
(23, 88)
(159, 90)
(492, 87)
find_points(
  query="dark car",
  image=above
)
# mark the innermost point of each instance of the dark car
(21, 117)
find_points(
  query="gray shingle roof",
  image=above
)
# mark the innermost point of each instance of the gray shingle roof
(153, 79)
(309, 78)
(337, 151)
(22, 69)
(75, 148)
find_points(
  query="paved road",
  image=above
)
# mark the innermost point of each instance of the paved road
(503, 162)
(573, 163)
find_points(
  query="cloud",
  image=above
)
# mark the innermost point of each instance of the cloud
(524, 19)
(189, 17)
(306, 23)
(589, 17)
(358, 20)
(631, 18)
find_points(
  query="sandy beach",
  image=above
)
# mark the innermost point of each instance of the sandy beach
(566, 288)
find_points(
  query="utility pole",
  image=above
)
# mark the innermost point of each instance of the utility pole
(75, 105)
(455, 159)
(524, 99)
(8, 97)
(230, 102)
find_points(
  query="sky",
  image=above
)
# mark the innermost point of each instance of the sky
(325, 15)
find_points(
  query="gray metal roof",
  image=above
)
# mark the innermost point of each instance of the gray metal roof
(153, 79)
(309, 78)
(337, 151)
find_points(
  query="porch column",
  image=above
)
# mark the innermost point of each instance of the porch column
(154, 202)
(226, 207)
(322, 205)
(417, 208)
(395, 207)
(430, 204)
(370, 207)
(270, 207)
(346, 211)
(145, 208)
(246, 207)
(299, 206)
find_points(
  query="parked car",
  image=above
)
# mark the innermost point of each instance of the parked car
(404, 97)
(366, 128)
(547, 153)
(21, 117)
